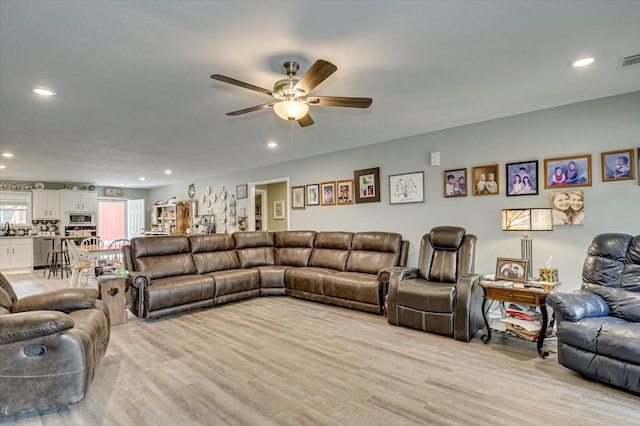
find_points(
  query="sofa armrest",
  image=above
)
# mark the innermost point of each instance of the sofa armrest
(384, 274)
(577, 305)
(397, 274)
(469, 296)
(138, 281)
(65, 300)
(30, 325)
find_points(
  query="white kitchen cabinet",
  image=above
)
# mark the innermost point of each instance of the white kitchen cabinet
(79, 201)
(46, 204)
(16, 253)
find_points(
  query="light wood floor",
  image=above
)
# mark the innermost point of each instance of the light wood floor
(284, 361)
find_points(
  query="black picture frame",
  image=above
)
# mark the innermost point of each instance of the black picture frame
(313, 194)
(522, 178)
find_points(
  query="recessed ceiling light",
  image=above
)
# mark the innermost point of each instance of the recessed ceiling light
(168, 172)
(272, 144)
(583, 62)
(2, 166)
(44, 91)
(7, 154)
(142, 178)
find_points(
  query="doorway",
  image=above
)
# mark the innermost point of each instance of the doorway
(269, 192)
(118, 219)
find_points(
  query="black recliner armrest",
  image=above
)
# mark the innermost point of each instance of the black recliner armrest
(578, 305)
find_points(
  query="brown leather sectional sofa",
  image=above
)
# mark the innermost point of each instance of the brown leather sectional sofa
(178, 273)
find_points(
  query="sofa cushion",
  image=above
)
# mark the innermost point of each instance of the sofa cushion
(426, 296)
(372, 251)
(235, 281)
(356, 286)
(179, 290)
(308, 279)
(214, 252)
(620, 341)
(331, 250)
(271, 276)
(293, 248)
(161, 257)
(583, 334)
(255, 248)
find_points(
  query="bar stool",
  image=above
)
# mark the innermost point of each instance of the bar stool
(57, 260)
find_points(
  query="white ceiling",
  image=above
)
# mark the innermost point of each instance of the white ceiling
(135, 95)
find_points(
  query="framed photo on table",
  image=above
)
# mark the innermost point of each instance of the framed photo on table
(367, 185)
(522, 178)
(406, 188)
(328, 193)
(455, 183)
(485, 180)
(514, 270)
(345, 192)
(567, 171)
(297, 197)
(313, 194)
(617, 165)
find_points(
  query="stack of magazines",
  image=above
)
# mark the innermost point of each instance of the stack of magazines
(523, 321)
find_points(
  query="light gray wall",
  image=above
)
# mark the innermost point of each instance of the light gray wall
(585, 128)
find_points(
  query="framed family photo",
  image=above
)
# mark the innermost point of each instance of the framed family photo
(455, 183)
(328, 193)
(522, 178)
(514, 270)
(313, 194)
(367, 185)
(617, 165)
(345, 192)
(485, 180)
(567, 171)
(297, 197)
(406, 188)
(567, 207)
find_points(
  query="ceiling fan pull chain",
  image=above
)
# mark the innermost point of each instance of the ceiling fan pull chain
(292, 126)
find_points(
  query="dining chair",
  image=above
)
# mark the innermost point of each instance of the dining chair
(80, 267)
(92, 241)
(117, 244)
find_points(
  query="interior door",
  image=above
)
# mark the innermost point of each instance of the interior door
(135, 215)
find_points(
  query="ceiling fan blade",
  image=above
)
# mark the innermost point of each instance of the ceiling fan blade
(306, 121)
(251, 109)
(318, 72)
(339, 101)
(235, 82)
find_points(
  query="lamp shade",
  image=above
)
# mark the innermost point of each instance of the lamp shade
(291, 110)
(527, 220)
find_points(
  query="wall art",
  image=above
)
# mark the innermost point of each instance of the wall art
(367, 185)
(567, 171)
(406, 188)
(522, 178)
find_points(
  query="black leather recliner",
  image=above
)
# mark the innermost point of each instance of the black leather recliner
(441, 296)
(599, 325)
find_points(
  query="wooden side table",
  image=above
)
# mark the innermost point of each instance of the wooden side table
(531, 296)
(112, 292)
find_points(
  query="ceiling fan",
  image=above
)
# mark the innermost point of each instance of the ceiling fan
(292, 94)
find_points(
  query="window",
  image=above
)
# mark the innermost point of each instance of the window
(15, 208)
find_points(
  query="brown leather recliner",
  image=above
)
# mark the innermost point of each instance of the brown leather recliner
(442, 296)
(50, 346)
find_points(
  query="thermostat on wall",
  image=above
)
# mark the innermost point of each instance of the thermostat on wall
(435, 158)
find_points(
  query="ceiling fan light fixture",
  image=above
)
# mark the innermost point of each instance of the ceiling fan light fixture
(290, 109)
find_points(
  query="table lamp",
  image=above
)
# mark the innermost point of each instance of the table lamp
(527, 220)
